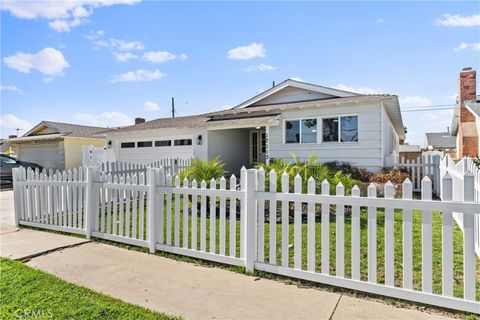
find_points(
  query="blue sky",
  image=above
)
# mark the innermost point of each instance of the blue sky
(101, 62)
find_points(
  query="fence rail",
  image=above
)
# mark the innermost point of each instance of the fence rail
(343, 239)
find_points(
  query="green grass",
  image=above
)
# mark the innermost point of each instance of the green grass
(29, 293)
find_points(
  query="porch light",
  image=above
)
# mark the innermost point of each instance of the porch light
(257, 127)
(199, 140)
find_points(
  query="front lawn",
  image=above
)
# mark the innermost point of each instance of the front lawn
(29, 293)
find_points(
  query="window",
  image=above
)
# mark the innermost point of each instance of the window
(330, 130)
(292, 131)
(163, 143)
(182, 142)
(144, 144)
(349, 129)
(309, 131)
(340, 129)
(7, 160)
(124, 145)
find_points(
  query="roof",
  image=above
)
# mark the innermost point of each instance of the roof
(472, 105)
(441, 140)
(67, 129)
(248, 113)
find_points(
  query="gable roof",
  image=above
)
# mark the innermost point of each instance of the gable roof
(441, 140)
(335, 93)
(66, 129)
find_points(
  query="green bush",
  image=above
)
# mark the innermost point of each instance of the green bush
(204, 170)
(306, 169)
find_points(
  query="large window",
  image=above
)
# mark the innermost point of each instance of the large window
(301, 131)
(182, 142)
(124, 145)
(144, 144)
(340, 129)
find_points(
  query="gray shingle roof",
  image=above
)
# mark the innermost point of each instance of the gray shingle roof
(441, 140)
(71, 130)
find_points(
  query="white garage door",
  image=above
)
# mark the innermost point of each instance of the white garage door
(148, 151)
(49, 155)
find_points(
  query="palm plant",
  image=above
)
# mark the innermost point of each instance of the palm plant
(204, 170)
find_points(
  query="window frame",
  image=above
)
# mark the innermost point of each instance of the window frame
(144, 141)
(339, 128)
(300, 120)
(162, 146)
(182, 145)
(128, 142)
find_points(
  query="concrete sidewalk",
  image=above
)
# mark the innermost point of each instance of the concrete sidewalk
(180, 288)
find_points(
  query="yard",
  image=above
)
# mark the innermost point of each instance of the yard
(29, 293)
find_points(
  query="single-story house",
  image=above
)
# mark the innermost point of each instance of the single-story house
(466, 117)
(292, 117)
(441, 141)
(56, 145)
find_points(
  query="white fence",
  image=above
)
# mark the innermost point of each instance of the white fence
(459, 171)
(426, 165)
(262, 228)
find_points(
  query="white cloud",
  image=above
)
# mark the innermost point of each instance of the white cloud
(253, 50)
(464, 46)
(261, 67)
(457, 20)
(10, 87)
(361, 90)
(139, 75)
(150, 106)
(414, 101)
(48, 61)
(47, 79)
(105, 119)
(124, 57)
(9, 123)
(62, 15)
(379, 21)
(162, 56)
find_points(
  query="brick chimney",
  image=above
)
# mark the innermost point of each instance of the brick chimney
(139, 120)
(467, 131)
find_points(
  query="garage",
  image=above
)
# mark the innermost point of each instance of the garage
(146, 151)
(47, 154)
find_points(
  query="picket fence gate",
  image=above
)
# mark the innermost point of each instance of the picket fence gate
(229, 225)
(426, 165)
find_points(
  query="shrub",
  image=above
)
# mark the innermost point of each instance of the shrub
(307, 169)
(356, 172)
(204, 170)
(396, 176)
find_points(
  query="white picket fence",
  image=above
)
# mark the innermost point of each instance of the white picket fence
(458, 171)
(172, 166)
(426, 165)
(193, 219)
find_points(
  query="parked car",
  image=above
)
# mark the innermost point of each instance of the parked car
(8, 163)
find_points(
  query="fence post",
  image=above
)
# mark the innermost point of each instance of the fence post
(16, 195)
(447, 238)
(151, 209)
(250, 220)
(89, 202)
(469, 238)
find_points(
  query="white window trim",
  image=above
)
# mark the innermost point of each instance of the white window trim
(284, 131)
(339, 129)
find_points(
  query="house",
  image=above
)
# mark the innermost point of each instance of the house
(56, 145)
(466, 117)
(441, 141)
(292, 117)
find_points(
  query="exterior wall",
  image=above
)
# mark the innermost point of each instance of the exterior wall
(366, 153)
(74, 153)
(467, 128)
(146, 155)
(291, 94)
(390, 141)
(232, 146)
(48, 154)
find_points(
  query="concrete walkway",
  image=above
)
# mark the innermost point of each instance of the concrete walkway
(179, 288)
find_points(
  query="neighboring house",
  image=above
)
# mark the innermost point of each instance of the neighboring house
(441, 141)
(290, 118)
(466, 118)
(56, 145)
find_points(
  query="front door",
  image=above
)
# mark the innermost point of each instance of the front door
(258, 146)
